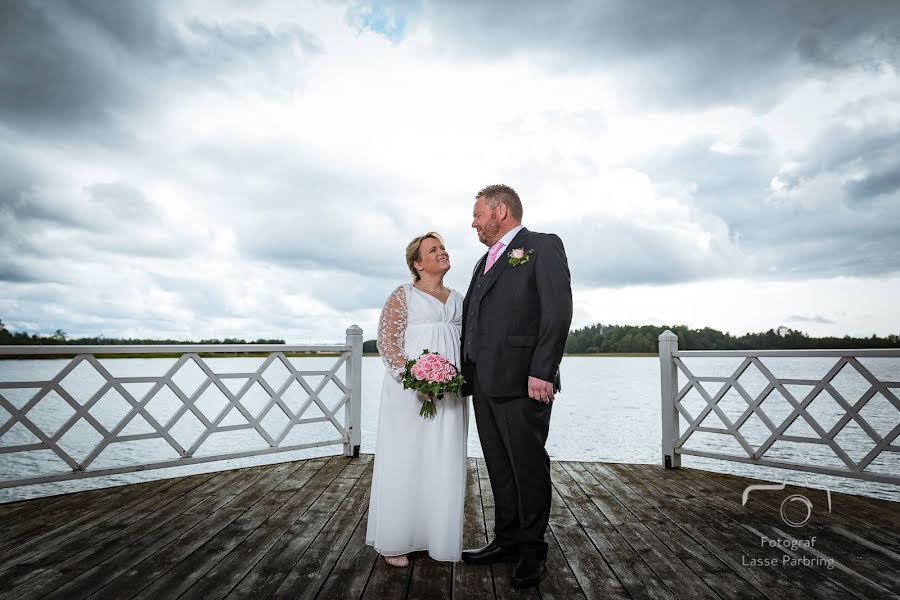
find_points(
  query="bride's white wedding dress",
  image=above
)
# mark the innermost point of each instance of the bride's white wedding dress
(419, 478)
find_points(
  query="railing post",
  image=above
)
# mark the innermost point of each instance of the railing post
(668, 345)
(353, 416)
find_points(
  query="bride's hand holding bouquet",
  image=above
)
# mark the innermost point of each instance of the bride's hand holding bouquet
(432, 375)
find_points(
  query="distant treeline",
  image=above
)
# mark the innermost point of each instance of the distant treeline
(595, 339)
(602, 339)
(60, 338)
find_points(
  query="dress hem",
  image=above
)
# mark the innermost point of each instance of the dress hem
(433, 557)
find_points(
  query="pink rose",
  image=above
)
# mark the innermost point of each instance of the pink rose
(518, 253)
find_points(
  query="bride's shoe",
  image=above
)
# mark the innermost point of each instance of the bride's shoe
(397, 561)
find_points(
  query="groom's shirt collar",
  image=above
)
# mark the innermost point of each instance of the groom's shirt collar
(508, 238)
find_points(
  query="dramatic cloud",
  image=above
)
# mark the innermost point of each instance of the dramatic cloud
(709, 52)
(255, 169)
(78, 65)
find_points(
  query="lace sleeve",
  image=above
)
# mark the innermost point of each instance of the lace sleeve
(392, 333)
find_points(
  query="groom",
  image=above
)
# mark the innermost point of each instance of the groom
(516, 318)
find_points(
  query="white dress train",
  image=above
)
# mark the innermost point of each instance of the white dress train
(419, 477)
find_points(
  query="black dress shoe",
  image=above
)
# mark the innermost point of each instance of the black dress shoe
(491, 553)
(529, 570)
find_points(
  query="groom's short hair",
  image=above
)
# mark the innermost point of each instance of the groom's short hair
(495, 194)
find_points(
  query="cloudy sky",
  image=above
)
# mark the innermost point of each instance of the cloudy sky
(255, 169)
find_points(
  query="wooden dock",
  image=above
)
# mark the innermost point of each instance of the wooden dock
(297, 530)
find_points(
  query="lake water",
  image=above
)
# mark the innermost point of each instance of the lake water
(609, 410)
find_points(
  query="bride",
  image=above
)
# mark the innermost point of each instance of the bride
(419, 478)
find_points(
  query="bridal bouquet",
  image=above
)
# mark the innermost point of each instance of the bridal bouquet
(433, 376)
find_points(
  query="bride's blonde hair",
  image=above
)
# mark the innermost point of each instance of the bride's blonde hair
(413, 254)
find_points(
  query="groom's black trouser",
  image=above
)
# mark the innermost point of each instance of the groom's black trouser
(513, 432)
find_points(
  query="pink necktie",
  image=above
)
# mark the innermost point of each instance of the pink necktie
(492, 256)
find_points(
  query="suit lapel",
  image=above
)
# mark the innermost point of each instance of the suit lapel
(479, 267)
(475, 275)
(502, 262)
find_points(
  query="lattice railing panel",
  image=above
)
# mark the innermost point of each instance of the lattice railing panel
(183, 409)
(840, 423)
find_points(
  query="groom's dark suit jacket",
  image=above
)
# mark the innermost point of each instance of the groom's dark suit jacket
(516, 318)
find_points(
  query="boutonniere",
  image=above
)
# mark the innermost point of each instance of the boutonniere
(519, 256)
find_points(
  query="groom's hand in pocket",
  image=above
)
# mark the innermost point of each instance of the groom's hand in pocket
(540, 390)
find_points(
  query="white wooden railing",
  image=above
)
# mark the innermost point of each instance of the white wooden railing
(349, 400)
(707, 416)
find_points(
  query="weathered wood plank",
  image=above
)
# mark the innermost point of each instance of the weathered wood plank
(676, 564)
(878, 552)
(156, 566)
(698, 558)
(298, 529)
(594, 576)
(28, 546)
(724, 539)
(473, 581)
(225, 481)
(721, 494)
(180, 536)
(612, 511)
(224, 575)
(18, 509)
(630, 569)
(860, 509)
(702, 523)
(580, 504)
(745, 545)
(502, 572)
(763, 518)
(310, 572)
(674, 574)
(387, 582)
(259, 506)
(707, 566)
(350, 575)
(643, 512)
(118, 527)
(875, 528)
(429, 578)
(825, 570)
(327, 492)
(71, 519)
(84, 565)
(760, 523)
(560, 580)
